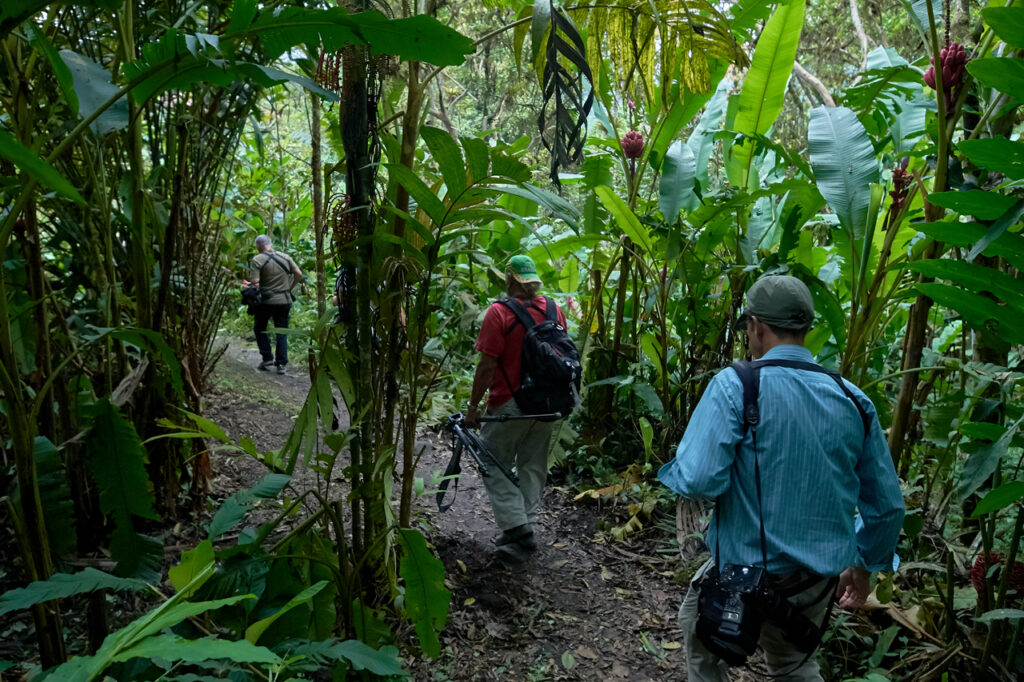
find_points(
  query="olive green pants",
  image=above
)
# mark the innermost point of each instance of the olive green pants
(522, 443)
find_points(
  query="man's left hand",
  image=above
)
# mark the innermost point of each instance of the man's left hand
(854, 587)
(473, 418)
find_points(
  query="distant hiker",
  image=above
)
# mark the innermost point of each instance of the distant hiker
(520, 443)
(789, 453)
(275, 273)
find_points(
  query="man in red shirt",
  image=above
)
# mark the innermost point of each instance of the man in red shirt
(523, 443)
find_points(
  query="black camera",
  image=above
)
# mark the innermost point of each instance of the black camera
(735, 601)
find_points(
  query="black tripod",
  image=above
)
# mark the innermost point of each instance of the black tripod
(468, 440)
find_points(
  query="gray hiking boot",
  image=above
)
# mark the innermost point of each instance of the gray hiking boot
(280, 369)
(265, 365)
(511, 554)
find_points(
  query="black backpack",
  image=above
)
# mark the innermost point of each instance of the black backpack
(551, 370)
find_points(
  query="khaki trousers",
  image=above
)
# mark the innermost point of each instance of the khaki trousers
(522, 443)
(780, 655)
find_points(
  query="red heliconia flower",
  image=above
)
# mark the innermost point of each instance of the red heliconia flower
(901, 180)
(632, 145)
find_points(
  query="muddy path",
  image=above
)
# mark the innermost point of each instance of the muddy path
(584, 607)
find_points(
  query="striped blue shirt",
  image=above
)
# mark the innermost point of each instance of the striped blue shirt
(818, 470)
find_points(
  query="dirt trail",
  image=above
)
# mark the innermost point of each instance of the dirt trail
(584, 607)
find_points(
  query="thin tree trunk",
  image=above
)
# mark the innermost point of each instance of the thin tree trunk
(318, 204)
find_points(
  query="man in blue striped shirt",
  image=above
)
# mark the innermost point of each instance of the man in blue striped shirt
(830, 502)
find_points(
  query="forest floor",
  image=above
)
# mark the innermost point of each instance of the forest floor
(584, 607)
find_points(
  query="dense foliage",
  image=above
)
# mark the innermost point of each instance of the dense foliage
(693, 147)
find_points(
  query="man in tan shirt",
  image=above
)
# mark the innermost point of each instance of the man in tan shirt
(275, 273)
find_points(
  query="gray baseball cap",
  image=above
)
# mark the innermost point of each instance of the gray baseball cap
(781, 301)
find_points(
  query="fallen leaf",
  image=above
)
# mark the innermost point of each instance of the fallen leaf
(606, 574)
(560, 563)
(619, 670)
(470, 601)
(462, 565)
(586, 652)
(568, 661)
(671, 646)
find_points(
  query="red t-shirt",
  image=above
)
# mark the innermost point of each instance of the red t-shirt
(501, 336)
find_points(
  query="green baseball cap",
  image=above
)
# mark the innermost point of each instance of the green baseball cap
(522, 269)
(781, 301)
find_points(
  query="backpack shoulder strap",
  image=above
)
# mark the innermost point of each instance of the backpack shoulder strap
(523, 316)
(279, 264)
(811, 367)
(750, 377)
(550, 309)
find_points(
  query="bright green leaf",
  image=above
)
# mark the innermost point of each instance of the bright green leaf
(192, 565)
(174, 648)
(256, 630)
(625, 218)
(63, 585)
(1000, 498)
(978, 203)
(996, 154)
(764, 88)
(1007, 22)
(1005, 74)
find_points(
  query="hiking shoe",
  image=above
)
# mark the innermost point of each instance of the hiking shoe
(520, 535)
(280, 369)
(265, 365)
(511, 554)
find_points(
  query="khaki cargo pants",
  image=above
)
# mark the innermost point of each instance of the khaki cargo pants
(522, 443)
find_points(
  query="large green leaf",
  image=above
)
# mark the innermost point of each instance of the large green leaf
(976, 202)
(1007, 22)
(236, 506)
(448, 158)
(983, 462)
(117, 461)
(675, 189)
(919, 12)
(1010, 217)
(764, 88)
(26, 161)
(55, 494)
(191, 572)
(427, 600)
(975, 278)
(1009, 245)
(1000, 498)
(1005, 74)
(63, 585)
(418, 190)
(174, 648)
(385, 661)
(996, 154)
(844, 164)
(625, 218)
(420, 38)
(702, 139)
(256, 630)
(94, 90)
(979, 312)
